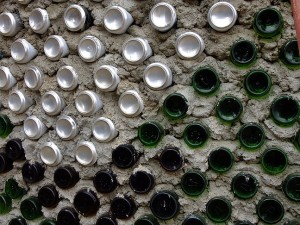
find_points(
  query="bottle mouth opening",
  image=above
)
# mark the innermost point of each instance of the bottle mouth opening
(19, 50)
(175, 105)
(103, 129)
(195, 135)
(65, 127)
(291, 53)
(86, 102)
(123, 156)
(222, 16)
(158, 205)
(68, 215)
(221, 160)
(53, 47)
(32, 127)
(264, 213)
(243, 52)
(251, 136)
(290, 185)
(268, 21)
(126, 204)
(274, 160)
(156, 76)
(150, 133)
(74, 17)
(217, 215)
(88, 48)
(4, 77)
(163, 16)
(67, 78)
(32, 78)
(171, 159)
(244, 185)
(130, 103)
(193, 183)
(7, 22)
(16, 101)
(205, 81)
(134, 50)
(189, 45)
(114, 19)
(104, 78)
(51, 102)
(50, 154)
(141, 182)
(229, 108)
(38, 19)
(285, 110)
(86, 153)
(257, 83)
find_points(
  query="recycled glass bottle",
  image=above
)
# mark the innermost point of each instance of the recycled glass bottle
(289, 54)
(105, 181)
(13, 190)
(66, 177)
(48, 196)
(48, 222)
(124, 156)
(150, 133)
(86, 202)
(146, 220)
(194, 219)
(229, 109)
(6, 164)
(291, 187)
(244, 185)
(122, 207)
(17, 221)
(175, 106)
(285, 110)
(193, 182)
(270, 210)
(195, 135)
(32, 172)
(141, 182)
(5, 203)
(257, 83)
(67, 216)
(31, 208)
(14, 149)
(274, 160)
(171, 159)
(268, 22)
(244, 222)
(6, 126)
(164, 205)
(243, 53)
(251, 136)
(221, 160)
(205, 81)
(218, 209)
(106, 220)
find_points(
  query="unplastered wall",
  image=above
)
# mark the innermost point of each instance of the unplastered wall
(191, 17)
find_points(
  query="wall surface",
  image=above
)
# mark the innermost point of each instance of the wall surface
(192, 16)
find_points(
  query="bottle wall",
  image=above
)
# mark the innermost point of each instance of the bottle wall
(192, 16)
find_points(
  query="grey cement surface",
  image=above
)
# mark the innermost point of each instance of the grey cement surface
(191, 17)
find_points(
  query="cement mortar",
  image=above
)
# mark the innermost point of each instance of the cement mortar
(191, 17)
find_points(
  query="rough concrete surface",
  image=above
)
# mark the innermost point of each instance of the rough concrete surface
(191, 17)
